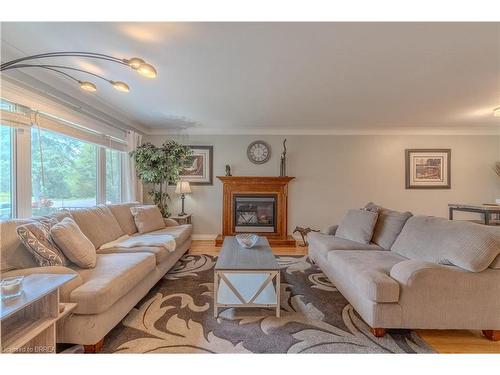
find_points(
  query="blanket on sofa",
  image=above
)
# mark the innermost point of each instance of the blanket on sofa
(158, 240)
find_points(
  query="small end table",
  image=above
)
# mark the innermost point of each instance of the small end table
(28, 322)
(185, 219)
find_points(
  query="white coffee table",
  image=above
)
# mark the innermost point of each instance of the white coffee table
(246, 277)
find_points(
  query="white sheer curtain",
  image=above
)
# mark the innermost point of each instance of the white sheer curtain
(132, 185)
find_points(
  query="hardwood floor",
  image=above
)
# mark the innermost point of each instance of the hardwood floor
(443, 341)
(208, 247)
(463, 341)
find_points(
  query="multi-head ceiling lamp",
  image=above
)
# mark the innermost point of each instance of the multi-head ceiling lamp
(136, 63)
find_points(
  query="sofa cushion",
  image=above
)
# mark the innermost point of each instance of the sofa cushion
(36, 237)
(124, 217)
(357, 225)
(389, 225)
(320, 244)
(113, 276)
(160, 253)
(74, 244)
(467, 245)
(98, 224)
(180, 233)
(147, 218)
(13, 254)
(52, 219)
(367, 272)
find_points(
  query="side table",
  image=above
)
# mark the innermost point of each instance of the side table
(487, 210)
(185, 219)
(28, 322)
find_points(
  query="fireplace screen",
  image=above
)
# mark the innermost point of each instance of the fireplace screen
(254, 213)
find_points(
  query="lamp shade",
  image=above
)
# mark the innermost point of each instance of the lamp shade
(183, 187)
(147, 70)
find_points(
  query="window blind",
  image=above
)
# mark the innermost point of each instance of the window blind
(46, 121)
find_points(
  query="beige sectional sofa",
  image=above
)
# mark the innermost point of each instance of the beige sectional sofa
(120, 279)
(436, 274)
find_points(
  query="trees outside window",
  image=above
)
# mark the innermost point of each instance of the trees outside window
(6, 171)
(64, 172)
(113, 176)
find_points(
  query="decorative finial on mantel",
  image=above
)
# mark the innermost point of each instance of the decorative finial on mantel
(283, 160)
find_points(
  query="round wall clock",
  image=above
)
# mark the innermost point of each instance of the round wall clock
(258, 152)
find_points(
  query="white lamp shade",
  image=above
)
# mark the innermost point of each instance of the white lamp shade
(183, 187)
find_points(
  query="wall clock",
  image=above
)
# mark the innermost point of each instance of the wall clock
(258, 152)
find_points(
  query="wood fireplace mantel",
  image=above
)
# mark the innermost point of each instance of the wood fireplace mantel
(275, 180)
(256, 185)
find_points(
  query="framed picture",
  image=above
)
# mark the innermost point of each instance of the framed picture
(200, 169)
(428, 168)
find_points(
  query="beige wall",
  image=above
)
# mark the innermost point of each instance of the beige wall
(335, 173)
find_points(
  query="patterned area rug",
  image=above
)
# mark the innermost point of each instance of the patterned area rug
(177, 317)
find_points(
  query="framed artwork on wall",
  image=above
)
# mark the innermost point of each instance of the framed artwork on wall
(200, 169)
(428, 168)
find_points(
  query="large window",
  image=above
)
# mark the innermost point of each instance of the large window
(64, 172)
(113, 176)
(6, 170)
(48, 163)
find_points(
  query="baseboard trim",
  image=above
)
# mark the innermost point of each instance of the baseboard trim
(203, 237)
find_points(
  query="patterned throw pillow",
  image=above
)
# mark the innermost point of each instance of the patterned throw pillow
(36, 237)
(47, 222)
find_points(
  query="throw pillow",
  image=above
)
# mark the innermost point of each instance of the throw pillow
(75, 245)
(147, 218)
(357, 226)
(36, 238)
(389, 225)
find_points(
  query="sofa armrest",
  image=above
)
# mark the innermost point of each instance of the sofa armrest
(170, 222)
(447, 297)
(64, 291)
(409, 271)
(331, 230)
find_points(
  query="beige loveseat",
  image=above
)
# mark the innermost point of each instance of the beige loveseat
(120, 279)
(436, 274)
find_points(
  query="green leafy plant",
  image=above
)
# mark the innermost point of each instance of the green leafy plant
(159, 166)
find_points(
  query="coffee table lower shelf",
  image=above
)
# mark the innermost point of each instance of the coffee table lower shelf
(246, 289)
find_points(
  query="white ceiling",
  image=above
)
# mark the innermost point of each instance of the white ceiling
(282, 77)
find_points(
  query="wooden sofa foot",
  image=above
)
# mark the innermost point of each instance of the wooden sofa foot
(96, 348)
(491, 334)
(378, 332)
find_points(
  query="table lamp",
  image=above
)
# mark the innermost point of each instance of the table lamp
(183, 188)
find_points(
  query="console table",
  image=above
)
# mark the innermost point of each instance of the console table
(28, 322)
(485, 209)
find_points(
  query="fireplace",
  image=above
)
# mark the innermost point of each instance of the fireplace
(256, 205)
(254, 213)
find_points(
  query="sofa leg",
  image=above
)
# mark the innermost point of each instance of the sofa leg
(96, 348)
(491, 334)
(378, 332)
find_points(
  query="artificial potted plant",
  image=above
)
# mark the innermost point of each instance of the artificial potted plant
(159, 166)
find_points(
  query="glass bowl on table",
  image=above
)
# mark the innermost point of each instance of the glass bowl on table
(11, 287)
(247, 241)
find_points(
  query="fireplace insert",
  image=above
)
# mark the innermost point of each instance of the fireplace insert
(254, 213)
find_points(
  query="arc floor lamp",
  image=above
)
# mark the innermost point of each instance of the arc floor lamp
(136, 63)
